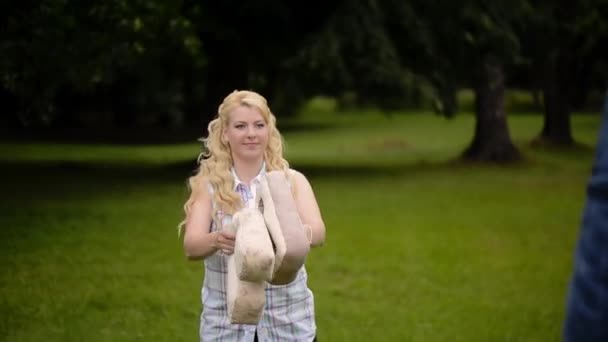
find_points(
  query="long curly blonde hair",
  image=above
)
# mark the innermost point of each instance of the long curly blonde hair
(216, 159)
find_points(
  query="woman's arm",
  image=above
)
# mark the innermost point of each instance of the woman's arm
(309, 209)
(199, 243)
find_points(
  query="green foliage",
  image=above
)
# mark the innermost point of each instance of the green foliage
(445, 42)
(249, 46)
(55, 52)
(563, 41)
(140, 63)
(355, 53)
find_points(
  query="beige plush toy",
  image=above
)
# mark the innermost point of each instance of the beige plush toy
(269, 247)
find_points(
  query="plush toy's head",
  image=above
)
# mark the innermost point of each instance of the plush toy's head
(253, 252)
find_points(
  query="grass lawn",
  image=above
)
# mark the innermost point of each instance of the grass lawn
(419, 248)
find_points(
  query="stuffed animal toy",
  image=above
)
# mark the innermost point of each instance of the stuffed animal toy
(270, 246)
(249, 267)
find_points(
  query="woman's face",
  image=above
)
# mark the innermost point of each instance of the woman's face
(247, 133)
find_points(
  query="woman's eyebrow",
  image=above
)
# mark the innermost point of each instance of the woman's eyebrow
(245, 122)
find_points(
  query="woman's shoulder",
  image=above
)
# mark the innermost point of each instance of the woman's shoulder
(201, 187)
(297, 179)
(297, 175)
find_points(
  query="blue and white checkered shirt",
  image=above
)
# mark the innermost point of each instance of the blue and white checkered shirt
(289, 311)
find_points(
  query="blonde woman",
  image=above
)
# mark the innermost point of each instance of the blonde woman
(243, 143)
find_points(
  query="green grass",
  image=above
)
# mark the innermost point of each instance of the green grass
(418, 249)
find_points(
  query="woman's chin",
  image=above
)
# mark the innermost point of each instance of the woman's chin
(250, 156)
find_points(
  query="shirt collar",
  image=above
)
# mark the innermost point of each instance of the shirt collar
(255, 179)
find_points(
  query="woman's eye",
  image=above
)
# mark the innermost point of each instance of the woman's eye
(260, 125)
(240, 126)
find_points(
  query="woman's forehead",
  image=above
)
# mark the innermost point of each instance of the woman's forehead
(246, 113)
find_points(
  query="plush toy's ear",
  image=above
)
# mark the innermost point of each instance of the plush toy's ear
(272, 224)
(294, 234)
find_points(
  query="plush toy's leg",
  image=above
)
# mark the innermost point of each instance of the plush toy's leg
(245, 299)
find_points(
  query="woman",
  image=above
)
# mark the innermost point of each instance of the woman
(243, 143)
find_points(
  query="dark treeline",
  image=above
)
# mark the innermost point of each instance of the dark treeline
(125, 64)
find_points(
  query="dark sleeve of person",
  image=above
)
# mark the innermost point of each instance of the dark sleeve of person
(587, 306)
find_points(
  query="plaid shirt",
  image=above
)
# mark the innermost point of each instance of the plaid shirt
(289, 311)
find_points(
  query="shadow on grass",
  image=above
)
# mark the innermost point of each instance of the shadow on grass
(74, 172)
(361, 171)
(130, 136)
(47, 172)
(574, 148)
(63, 175)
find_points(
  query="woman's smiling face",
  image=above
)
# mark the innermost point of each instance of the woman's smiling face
(247, 133)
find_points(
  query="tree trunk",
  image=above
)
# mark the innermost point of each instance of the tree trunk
(492, 141)
(557, 97)
(9, 117)
(536, 98)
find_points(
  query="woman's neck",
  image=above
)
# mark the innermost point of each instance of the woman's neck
(247, 170)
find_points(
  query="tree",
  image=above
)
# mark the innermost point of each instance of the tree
(491, 141)
(490, 27)
(435, 52)
(370, 46)
(249, 46)
(61, 59)
(468, 42)
(355, 53)
(564, 39)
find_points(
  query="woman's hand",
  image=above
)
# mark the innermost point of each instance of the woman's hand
(224, 241)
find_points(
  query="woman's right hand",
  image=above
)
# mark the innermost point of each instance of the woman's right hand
(224, 242)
